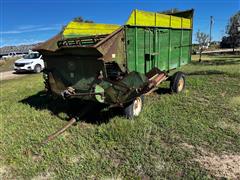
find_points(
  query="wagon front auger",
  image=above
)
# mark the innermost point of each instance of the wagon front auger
(117, 65)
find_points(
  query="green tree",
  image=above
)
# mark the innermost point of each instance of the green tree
(173, 10)
(203, 42)
(88, 21)
(232, 30)
(80, 19)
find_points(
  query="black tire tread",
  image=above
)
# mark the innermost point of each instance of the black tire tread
(128, 110)
(174, 81)
(35, 70)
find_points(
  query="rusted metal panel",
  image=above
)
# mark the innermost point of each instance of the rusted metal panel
(113, 49)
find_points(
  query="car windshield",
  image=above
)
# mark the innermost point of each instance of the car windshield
(32, 56)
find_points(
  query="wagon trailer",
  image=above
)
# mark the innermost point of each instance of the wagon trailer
(117, 65)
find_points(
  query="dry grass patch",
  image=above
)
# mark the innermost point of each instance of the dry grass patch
(225, 165)
(7, 65)
(5, 172)
(235, 100)
(44, 176)
(233, 126)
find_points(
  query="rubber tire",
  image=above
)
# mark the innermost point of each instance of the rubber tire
(37, 68)
(128, 110)
(175, 80)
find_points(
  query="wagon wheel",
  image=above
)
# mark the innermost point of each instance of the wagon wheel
(177, 83)
(37, 68)
(134, 108)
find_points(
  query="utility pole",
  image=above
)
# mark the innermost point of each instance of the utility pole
(211, 24)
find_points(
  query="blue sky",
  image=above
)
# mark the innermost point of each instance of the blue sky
(30, 21)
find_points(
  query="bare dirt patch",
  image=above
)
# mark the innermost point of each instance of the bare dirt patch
(234, 126)
(187, 146)
(226, 165)
(5, 172)
(44, 176)
(76, 159)
(9, 75)
(223, 165)
(235, 100)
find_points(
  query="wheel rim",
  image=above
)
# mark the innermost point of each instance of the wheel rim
(180, 84)
(38, 69)
(137, 106)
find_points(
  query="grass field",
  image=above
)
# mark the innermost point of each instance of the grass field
(7, 65)
(194, 134)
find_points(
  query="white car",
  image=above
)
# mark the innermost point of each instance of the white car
(30, 62)
(11, 54)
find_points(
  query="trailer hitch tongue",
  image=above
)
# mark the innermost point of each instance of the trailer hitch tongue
(73, 120)
(60, 131)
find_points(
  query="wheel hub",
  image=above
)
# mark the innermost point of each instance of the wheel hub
(137, 106)
(180, 84)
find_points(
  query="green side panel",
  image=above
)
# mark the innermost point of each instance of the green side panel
(130, 47)
(149, 47)
(148, 50)
(175, 48)
(140, 48)
(163, 48)
(186, 48)
(140, 43)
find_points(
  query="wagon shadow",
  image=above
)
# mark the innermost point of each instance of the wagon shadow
(23, 72)
(87, 112)
(162, 90)
(217, 62)
(207, 72)
(231, 55)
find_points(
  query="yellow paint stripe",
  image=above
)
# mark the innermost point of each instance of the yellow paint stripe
(74, 29)
(143, 18)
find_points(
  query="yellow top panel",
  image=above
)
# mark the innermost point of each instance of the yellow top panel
(162, 20)
(76, 29)
(186, 23)
(143, 18)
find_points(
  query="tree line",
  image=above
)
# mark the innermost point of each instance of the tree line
(232, 39)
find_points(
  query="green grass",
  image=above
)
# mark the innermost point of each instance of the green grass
(206, 115)
(7, 65)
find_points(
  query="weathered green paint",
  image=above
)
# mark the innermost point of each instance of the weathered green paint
(99, 89)
(74, 71)
(149, 47)
(169, 48)
(136, 48)
(115, 65)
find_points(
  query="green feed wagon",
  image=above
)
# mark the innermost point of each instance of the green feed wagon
(116, 65)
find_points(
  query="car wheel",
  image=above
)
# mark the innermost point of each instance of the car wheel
(134, 108)
(37, 68)
(177, 83)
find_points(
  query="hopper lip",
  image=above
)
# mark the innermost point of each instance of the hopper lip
(185, 11)
(108, 37)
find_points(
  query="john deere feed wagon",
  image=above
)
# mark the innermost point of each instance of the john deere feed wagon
(117, 65)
